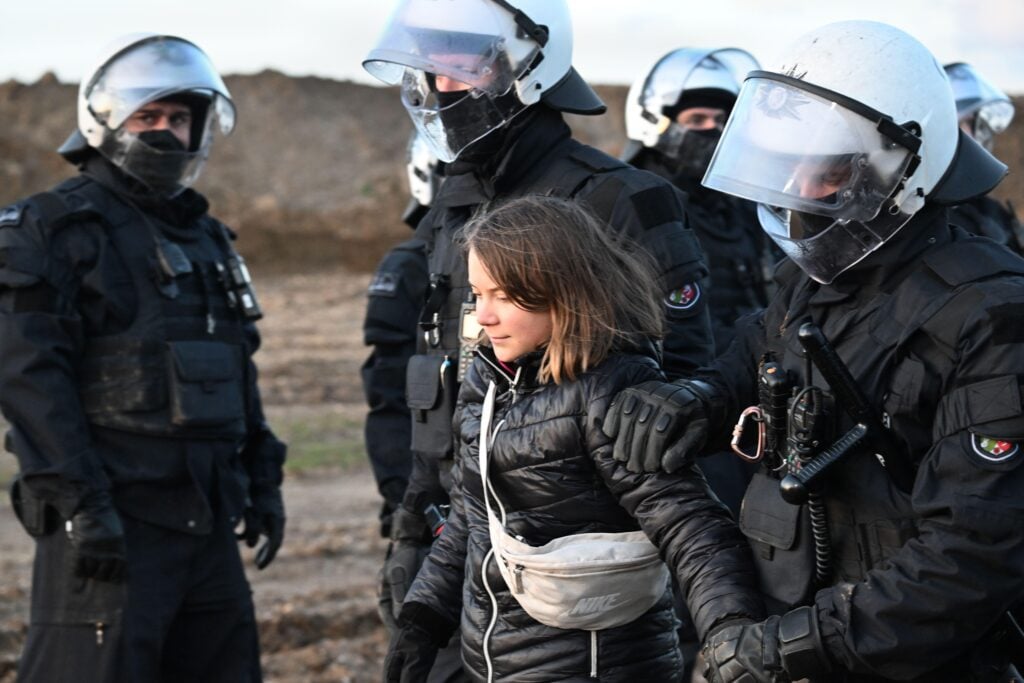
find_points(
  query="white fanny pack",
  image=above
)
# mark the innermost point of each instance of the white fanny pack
(584, 581)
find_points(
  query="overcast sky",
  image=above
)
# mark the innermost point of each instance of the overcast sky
(614, 39)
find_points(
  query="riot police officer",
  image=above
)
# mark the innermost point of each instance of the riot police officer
(394, 298)
(880, 388)
(486, 83)
(984, 111)
(126, 339)
(674, 117)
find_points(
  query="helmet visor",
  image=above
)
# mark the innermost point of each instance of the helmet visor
(788, 147)
(449, 122)
(474, 42)
(975, 94)
(151, 71)
(821, 246)
(690, 69)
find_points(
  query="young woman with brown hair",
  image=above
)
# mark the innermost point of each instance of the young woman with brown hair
(555, 559)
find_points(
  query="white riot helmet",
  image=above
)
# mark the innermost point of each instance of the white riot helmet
(680, 79)
(984, 109)
(843, 143)
(137, 70)
(422, 168)
(511, 55)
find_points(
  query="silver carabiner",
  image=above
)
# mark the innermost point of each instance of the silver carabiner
(752, 413)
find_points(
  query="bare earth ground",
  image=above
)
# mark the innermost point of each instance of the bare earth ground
(316, 603)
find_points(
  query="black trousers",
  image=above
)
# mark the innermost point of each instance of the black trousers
(185, 613)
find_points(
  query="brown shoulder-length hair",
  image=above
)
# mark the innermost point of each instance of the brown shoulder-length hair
(551, 254)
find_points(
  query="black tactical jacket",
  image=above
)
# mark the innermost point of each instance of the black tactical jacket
(124, 366)
(740, 256)
(990, 218)
(394, 298)
(541, 157)
(551, 467)
(930, 327)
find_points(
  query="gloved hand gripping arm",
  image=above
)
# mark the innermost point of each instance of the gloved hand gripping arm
(662, 426)
(779, 649)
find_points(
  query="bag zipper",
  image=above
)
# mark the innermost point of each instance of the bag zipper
(608, 567)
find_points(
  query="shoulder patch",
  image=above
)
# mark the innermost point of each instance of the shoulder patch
(384, 283)
(994, 450)
(683, 298)
(10, 215)
(993, 453)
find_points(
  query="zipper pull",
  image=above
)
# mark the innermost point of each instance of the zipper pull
(514, 385)
(517, 579)
(211, 324)
(99, 633)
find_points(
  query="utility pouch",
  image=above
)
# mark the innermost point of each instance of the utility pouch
(205, 384)
(780, 538)
(430, 392)
(38, 517)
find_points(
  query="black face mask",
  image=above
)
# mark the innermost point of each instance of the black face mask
(475, 110)
(160, 162)
(695, 152)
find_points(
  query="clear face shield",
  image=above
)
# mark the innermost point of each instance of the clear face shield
(688, 70)
(825, 169)
(983, 109)
(984, 123)
(457, 68)
(162, 69)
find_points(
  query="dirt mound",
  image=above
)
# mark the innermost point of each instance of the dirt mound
(312, 176)
(314, 172)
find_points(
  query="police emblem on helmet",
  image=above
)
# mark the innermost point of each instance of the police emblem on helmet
(778, 102)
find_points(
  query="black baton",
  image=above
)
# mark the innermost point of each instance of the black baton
(856, 405)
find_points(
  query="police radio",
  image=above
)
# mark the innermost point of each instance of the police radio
(234, 277)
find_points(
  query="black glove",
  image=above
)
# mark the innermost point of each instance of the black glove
(97, 540)
(264, 517)
(657, 426)
(411, 654)
(778, 649)
(413, 649)
(744, 651)
(410, 544)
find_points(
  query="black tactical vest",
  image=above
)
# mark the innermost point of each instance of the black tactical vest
(900, 347)
(180, 368)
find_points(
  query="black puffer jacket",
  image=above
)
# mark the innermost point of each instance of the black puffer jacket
(551, 467)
